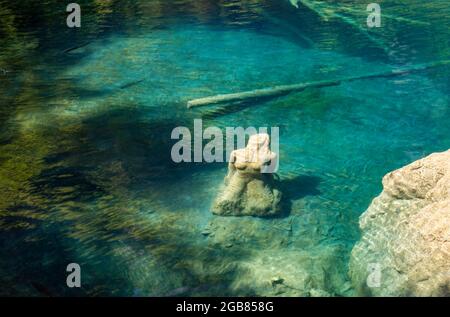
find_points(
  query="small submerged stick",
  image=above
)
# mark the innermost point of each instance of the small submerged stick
(287, 89)
(131, 84)
(70, 49)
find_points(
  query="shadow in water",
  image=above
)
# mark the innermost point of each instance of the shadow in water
(85, 196)
(300, 186)
(293, 189)
(296, 188)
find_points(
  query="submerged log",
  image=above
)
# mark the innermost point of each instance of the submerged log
(346, 14)
(326, 11)
(258, 93)
(287, 89)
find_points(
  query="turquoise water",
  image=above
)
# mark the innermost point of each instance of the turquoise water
(85, 167)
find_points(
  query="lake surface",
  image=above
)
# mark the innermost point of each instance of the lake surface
(85, 122)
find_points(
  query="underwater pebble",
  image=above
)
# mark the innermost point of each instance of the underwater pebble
(276, 281)
(206, 232)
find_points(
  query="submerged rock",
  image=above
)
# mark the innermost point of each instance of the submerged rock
(289, 272)
(249, 190)
(405, 245)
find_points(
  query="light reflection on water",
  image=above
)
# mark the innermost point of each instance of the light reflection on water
(85, 169)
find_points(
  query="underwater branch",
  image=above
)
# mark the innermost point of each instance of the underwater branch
(287, 89)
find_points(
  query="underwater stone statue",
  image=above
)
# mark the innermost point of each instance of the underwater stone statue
(249, 190)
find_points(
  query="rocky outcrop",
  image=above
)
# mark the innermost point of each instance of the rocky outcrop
(249, 189)
(405, 244)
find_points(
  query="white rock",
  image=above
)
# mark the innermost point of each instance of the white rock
(406, 233)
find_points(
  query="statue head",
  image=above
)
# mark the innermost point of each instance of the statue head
(256, 151)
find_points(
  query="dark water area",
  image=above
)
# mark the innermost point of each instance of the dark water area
(86, 116)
